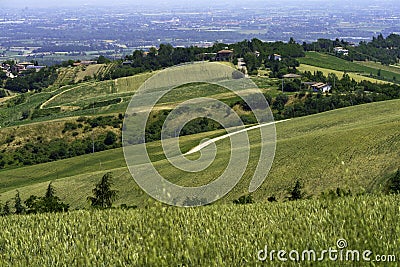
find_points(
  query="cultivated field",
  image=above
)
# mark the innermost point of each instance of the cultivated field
(339, 74)
(352, 148)
(223, 235)
(364, 69)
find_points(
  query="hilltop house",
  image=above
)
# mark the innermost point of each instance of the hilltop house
(275, 57)
(18, 68)
(341, 51)
(321, 87)
(224, 55)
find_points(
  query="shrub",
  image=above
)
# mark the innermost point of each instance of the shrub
(296, 193)
(394, 183)
(246, 199)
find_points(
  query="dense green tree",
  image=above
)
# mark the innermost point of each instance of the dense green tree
(104, 196)
(3, 76)
(19, 208)
(32, 204)
(50, 191)
(32, 80)
(247, 199)
(280, 102)
(252, 62)
(102, 60)
(165, 52)
(2, 93)
(6, 209)
(48, 203)
(394, 186)
(110, 139)
(296, 193)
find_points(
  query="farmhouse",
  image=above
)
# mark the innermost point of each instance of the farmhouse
(224, 55)
(275, 57)
(341, 51)
(21, 67)
(318, 87)
(321, 87)
(127, 62)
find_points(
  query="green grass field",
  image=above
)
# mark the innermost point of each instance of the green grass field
(354, 148)
(89, 71)
(331, 62)
(219, 235)
(326, 61)
(339, 74)
(377, 65)
(73, 99)
(93, 90)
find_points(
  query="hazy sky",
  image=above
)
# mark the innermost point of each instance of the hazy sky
(48, 3)
(54, 3)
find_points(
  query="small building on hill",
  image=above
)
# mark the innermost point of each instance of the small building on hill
(127, 63)
(341, 51)
(318, 87)
(275, 57)
(321, 87)
(224, 55)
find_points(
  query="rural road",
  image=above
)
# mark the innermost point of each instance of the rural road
(57, 95)
(208, 142)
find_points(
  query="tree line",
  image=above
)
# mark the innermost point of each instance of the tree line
(255, 53)
(345, 92)
(41, 151)
(102, 198)
(297, 192)
(379, 49)
(32, 80)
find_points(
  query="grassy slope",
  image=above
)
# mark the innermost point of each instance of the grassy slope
(377, 65)
(75, 99)
(83, 95)
(326, 61)
(89, 71)
(70, 96)
(355, 148)
(331, 62)
(356, 77)
(92, 91)
(223, 235)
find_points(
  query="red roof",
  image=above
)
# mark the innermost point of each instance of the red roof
(225, 52)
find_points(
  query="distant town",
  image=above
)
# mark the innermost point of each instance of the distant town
(50, 36)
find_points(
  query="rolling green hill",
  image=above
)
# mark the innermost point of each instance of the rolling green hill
(357, 77)
(71, 101)
(353, 148)
(366, 69)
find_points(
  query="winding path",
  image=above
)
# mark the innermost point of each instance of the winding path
(209, 142)
(57, 95)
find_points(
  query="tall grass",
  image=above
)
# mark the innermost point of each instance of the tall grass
(218, 235)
